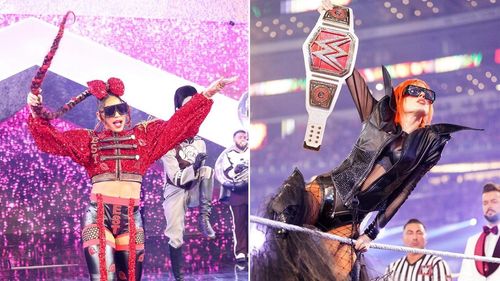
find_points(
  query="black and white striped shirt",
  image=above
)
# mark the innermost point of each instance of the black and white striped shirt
(426, 268)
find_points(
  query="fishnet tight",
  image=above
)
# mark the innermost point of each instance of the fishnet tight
(342, 255)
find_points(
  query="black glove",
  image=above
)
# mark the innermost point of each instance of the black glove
(239, 168)
(198, 162)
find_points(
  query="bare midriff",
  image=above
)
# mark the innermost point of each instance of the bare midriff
(119, 189)
(374, 175)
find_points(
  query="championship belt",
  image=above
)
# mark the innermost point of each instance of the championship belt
(329, 56)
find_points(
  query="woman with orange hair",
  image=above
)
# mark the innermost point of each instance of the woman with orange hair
(395, 149)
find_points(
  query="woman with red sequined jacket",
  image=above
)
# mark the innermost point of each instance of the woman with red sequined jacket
(116, 159)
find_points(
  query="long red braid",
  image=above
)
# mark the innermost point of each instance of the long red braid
(36, 83)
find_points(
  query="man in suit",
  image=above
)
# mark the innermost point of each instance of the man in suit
(485, 243)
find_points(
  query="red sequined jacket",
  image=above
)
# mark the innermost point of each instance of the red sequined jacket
(125, 155)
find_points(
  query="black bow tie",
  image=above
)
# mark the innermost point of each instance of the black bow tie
(488, 230)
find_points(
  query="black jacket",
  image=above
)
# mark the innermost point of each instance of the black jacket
(420, 152)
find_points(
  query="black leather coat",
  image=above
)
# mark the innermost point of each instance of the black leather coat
(420, 152)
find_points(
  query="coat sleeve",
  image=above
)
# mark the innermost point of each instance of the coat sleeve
(396, 200)
(161, 136)
(441, 271)
(73, 143)
(174, 172)
(361, 95)
(228, 167)
(468, 271)
(181, 177)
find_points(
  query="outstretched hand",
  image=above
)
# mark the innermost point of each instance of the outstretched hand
(325, 6)
(239, 168)
(218, 85)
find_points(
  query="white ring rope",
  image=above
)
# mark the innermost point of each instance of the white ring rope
(291, 227)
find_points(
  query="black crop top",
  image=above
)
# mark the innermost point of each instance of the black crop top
(392, 152)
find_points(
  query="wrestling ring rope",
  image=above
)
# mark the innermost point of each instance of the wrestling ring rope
(290, 227)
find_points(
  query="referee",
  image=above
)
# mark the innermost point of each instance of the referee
(417, 267)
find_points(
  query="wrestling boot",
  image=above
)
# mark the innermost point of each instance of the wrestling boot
(206, 190)
(288, 205)
(177, 259)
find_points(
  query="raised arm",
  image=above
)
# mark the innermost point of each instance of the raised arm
(73, 143)
(162, 136)
(361, 95)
